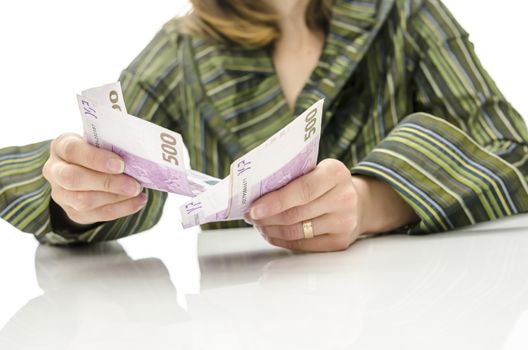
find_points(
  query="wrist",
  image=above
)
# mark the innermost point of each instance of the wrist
(364, 191)
(384, 209)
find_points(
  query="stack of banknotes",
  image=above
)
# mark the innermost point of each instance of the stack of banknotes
(153, 155)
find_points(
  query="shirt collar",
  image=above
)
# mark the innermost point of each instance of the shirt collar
(352, 28)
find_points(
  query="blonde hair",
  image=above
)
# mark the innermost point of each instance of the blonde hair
(249, 23)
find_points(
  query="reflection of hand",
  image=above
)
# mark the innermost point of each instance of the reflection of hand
(340, 207)
(95, 294)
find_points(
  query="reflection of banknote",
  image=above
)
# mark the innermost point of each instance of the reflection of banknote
(153, 155)
(288, 154)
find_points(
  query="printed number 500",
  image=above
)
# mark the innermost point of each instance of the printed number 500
(309, 128)
(168, 143)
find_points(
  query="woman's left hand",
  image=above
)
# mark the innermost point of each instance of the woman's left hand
(339, 206)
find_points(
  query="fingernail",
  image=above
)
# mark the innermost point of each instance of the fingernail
(132, 189)
(115, 165)
(258, 211)
(143, 198)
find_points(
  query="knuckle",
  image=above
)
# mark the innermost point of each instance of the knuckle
(336, 168)
(289, 233)
(325, 163)
(83, 201)
(70, 213)
(74, 215)
(107, 183)
(69, 147)
(108, 212)
(342, 172)
(292, 215)
(58, 143)
(307, 190)
(331, 163)
(67, 175)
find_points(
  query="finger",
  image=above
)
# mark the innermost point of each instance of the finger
(73, 149)
(84, 200)
(300, 191)
(323, 224)
(327, 203)
(323, 243)
(247, 219)
(108, 212)
(77, 178)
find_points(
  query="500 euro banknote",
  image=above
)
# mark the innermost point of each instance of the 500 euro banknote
(153, 155)
(285, 156)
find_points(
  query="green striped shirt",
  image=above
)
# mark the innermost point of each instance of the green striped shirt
(407, 102)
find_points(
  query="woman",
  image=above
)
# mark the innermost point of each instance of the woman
(416, 136)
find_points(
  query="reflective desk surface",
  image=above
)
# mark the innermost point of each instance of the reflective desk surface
(174, 289)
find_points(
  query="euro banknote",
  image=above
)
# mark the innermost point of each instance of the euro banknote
(288, 154)
(153, 155)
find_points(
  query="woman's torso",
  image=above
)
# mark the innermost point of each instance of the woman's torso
(229, 99)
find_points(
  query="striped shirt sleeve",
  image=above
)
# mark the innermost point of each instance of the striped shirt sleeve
(462, 158)
(25, 196)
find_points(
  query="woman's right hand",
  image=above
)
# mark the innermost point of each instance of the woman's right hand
(88, 182)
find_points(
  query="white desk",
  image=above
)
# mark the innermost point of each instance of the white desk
(170, 289)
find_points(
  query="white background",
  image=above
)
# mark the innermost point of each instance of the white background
(50, 50)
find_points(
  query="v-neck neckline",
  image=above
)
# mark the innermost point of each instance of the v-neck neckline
(352, 28)
(329, 50)
(294, 111)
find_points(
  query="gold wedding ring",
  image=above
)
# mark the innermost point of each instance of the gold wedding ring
(307, 229)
